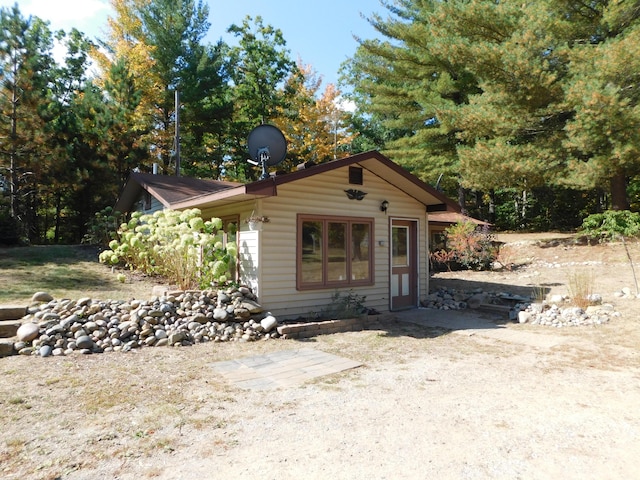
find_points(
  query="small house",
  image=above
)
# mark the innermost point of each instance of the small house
(354, 224)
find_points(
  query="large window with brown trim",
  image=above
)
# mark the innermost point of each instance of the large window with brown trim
(334, 252)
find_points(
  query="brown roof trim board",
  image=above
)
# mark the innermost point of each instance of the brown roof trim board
(182, 192)
(364, 159)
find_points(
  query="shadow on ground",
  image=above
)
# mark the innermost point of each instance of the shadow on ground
(491, 287)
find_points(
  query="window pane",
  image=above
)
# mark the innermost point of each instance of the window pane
(337, 261)
(360, 251)
(311, 252)
(400, 239)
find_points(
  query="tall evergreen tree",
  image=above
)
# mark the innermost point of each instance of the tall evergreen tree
(402, 84)
(123, 140)
(82, 177)
(603, 136)
(25, 61)
(258, 67)
(507, 94)
(161, 43)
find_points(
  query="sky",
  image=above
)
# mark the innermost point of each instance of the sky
(319, 33)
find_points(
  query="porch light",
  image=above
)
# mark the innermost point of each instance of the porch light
(384, 205)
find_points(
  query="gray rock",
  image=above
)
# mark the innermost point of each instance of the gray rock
(28, 331)
(200, 318)
(41, 297)
(220, 314)
(45, 350)
(79, 333)
(268, 323)
(251, 306)
(524, 317)
(176, 338)
(476, 300)
(90, 326)
(84, 342)
(84, 301)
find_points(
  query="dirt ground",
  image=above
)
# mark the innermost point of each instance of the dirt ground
(426, 403)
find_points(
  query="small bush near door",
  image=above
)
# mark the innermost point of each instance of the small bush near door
(467, 246)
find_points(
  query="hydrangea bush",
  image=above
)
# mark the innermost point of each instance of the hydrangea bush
(178, 245)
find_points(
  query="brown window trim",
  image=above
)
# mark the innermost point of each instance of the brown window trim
(325, 284)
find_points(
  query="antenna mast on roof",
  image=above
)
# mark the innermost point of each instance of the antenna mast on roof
(177, 137)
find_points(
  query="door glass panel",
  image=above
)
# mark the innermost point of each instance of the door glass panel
(400, 246)
(311, 252)
(337, 242)
(360, 251)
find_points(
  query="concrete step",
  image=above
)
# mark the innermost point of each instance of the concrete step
(12, 312)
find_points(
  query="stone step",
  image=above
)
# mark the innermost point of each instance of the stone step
(12, 312)
(490, 307)
(8, 328)
(6, 347)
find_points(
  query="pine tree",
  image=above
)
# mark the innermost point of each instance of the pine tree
(506, 94)
(160, 42)
(25, 61)
(604, 93)
(257, 67)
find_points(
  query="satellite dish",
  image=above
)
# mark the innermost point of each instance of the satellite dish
(267, 147)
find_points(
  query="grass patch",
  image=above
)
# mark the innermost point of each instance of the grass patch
(64, 271)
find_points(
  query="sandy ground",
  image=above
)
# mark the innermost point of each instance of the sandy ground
(426, 403)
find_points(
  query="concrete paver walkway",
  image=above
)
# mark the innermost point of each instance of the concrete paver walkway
(288, 368)
(282, 369)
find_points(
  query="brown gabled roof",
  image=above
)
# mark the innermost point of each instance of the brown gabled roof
(181, 193)
(373, 161)
(450, 218)
(168, 189)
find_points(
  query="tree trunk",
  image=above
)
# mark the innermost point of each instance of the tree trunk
(618, 187)
(462, 199)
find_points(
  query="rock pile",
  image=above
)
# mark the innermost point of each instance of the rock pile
(62, 327)
(557, 311)
(553, 315)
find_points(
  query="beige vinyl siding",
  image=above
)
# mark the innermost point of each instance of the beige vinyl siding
(324, 195)
(249, 257)
(155, 205)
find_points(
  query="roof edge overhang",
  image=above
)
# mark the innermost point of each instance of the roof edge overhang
(442, 202)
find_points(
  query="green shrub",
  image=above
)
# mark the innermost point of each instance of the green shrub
(178, 245)
(614, 225)
(349, 305)
(101, 229)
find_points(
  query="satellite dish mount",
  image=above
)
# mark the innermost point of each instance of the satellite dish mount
(267, 147)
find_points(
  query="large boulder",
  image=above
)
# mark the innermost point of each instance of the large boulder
(28, 331)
